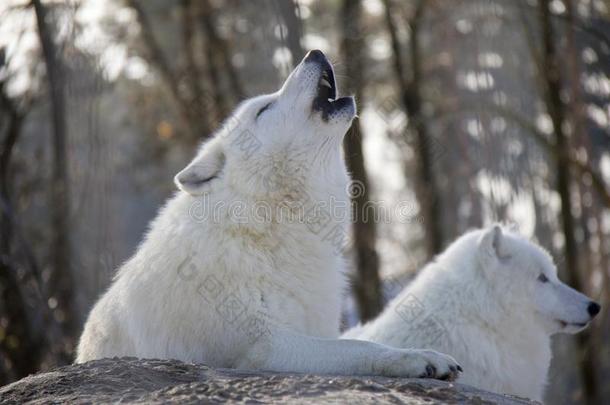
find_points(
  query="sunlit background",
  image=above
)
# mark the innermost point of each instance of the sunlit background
(471, 111)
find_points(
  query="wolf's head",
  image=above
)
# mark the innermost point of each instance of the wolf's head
(526, 282)
(288, 140)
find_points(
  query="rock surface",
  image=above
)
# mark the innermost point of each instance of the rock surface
(162, 381)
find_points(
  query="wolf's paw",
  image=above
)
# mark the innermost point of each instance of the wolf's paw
(417, 364)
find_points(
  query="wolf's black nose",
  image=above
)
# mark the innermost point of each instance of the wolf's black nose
(593, 308)
(315, 56)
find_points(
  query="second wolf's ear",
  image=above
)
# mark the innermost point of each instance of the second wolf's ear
(207, 165)
(493, 243)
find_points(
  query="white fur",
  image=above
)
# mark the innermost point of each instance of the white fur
(235, 271)
(481, 301)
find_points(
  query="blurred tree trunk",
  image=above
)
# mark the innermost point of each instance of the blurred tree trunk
(557, 111)
(289, 10)
(427, 189)
(198, 103)
(17, 341)
(61, 283)
(410, 93)
(367, 286)
(219, 53)
(213, 59)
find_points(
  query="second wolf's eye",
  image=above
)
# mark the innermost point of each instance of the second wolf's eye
(542, 278)
(262, 110)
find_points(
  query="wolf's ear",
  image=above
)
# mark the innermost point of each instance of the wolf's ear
(195, 178)
(493, 243)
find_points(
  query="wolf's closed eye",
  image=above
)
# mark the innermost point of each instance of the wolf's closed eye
(542, 278)
(262, 110)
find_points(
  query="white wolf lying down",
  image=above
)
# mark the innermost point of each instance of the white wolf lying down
(492, 300)
(240, 268)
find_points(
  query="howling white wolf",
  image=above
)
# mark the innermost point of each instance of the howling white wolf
(492, 300)
(242, 267)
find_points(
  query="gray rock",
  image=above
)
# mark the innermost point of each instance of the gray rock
(168, 381)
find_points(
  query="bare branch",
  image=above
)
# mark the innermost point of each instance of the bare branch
(410, 95)
(155, 57)
(61, 282)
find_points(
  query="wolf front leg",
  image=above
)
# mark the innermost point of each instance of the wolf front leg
(280, 350)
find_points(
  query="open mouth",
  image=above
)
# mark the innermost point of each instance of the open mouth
(326, 100)
(327, 88)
